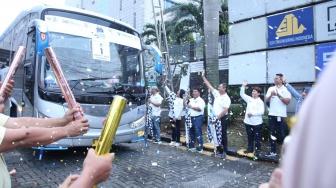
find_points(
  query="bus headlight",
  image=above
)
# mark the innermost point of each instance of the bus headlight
(138, 123)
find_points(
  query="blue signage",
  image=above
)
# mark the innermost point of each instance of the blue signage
(290, 28)
(324, 53)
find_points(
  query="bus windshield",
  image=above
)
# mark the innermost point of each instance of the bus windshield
(90, 65)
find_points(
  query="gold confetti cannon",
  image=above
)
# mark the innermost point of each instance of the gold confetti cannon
(15, 63)
(62, 82)
(111, 125)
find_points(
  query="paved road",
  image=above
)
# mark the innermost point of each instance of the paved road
(137, 166)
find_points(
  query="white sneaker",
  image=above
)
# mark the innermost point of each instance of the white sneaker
(177, 144)
(172, 143)
(270, 154)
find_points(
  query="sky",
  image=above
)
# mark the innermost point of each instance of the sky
(9, 9)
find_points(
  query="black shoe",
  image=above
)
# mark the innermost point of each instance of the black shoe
(257, 154)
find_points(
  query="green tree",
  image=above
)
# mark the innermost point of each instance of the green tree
(187, 19)
(224, 20)
(184, 20)
(149, 34)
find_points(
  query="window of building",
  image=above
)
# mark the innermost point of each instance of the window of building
(134, 20)
(120, 4)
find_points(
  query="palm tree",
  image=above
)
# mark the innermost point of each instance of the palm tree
(186, 19)
(149, 34)
(211, 31)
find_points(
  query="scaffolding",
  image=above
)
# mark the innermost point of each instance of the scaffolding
(162, 42)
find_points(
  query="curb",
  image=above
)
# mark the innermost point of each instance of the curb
(232, 151)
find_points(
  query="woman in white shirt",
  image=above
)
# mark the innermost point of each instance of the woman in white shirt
(175, 112)
(253, 117)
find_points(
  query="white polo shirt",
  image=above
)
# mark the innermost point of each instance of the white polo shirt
(254, 106)
(220, 102)
(156, 110)
(277, 107)
(178, 108)
(198, 102)
(4, 175)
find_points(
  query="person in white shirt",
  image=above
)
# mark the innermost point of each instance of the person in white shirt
(154, 103)
(279, 97)
(175, 112)
(221, 107)
(253, 117)
(28, 132)
(196, 107)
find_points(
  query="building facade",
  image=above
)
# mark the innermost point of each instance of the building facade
(293, 37)
(134, 12)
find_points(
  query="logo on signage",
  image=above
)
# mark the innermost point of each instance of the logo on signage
(292, 28)
(289, 26)
(324, 54)
(331, 19)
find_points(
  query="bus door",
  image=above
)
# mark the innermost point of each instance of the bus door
(29, 76)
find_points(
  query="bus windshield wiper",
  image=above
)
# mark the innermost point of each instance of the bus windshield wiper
(137, 99)
(104, 92)
(87, 79)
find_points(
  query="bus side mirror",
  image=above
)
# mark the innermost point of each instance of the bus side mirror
(28, 76)
(42, 35)
(158, 57)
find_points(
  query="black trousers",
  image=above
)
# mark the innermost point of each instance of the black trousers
(224, 144)
(176, 130)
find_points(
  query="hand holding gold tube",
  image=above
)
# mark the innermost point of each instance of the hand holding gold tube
(111, 125)
(15, 63)
(69, 98)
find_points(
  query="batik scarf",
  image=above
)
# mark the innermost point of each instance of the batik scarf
(149, 122)
(214, 125)
(171, 98)
(187, 123)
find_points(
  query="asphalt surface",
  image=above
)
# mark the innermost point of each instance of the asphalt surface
(138, 166)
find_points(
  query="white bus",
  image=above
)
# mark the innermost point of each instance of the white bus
(101, 57)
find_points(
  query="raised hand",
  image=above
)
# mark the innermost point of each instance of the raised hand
(244, 83)
(283, 79)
